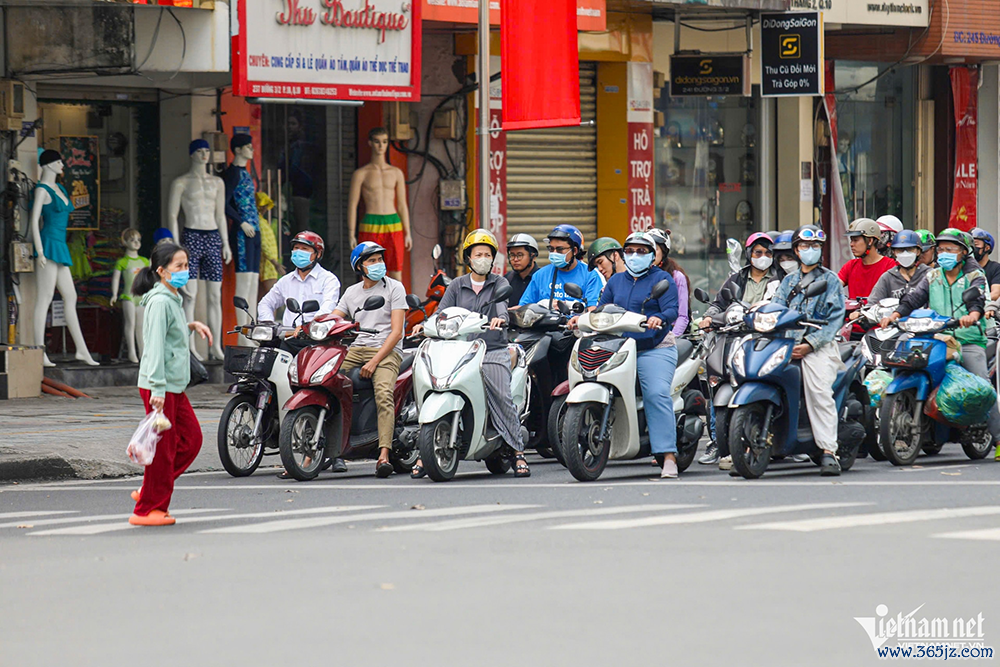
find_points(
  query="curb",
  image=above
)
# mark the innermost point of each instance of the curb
(48, 468)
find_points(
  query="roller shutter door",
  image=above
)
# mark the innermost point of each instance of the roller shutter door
(552, 173)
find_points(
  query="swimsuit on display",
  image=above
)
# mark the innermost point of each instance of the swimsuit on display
(129, 266)
(245, 206)
(204, 253)
(387, 231)
(55, 219)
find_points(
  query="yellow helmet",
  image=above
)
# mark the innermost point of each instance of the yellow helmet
(480, 237)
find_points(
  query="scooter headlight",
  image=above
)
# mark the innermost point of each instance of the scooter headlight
(604, 320)
(262, 333)
(448, 327)
(324, 370)
(319, 330)
(739, 367)
(776, 360)
(765, 322)
(525, 317)
(614, 362)
(735, 314)
(574, 361)
(293, 372)
(919, 325)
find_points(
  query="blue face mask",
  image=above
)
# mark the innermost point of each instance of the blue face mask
(947, 260)
(638, 264)
(558, 259)
(810, 256)
(375, 272)
(179, 279)
(301, 258)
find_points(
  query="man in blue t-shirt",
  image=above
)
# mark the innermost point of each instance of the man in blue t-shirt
(565, 246)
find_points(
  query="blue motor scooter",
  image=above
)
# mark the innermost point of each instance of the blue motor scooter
(767, 412)
(918, 363)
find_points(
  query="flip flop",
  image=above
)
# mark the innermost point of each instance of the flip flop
(521, 468)
(383, 469)
(284, 475)
(418, 472)
(154, 518)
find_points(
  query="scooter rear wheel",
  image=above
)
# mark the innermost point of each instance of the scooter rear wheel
(897, 439)
(584, 453)
(557, 414)
(239, 457)
(745, 426)
(301, 458)
(439, 458)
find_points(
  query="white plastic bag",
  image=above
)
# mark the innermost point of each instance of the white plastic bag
(142, 447)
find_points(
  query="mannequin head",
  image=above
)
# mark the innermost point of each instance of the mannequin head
(242, 147)
(200, 151)
(131, 239)
(51, 162)
(378, 139)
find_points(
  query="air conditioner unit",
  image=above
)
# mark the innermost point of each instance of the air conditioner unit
(11, 105)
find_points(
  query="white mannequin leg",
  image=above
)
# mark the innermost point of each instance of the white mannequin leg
(189, 294)
(128, 329)
(246, 287)
(213, 310)
(45, 284)
(139, 312)
(64, 281)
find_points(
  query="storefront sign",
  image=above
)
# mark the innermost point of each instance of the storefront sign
(80, 178)
(640, 147)
(591, 15)
(791, 54)
(913, 13)
(703, 75)
(965, 93)
(194, 4)
(498, 173)
(327, 49)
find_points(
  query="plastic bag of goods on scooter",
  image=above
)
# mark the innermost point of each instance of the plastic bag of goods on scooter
(876, 382)
(964, 398)
(142, 446)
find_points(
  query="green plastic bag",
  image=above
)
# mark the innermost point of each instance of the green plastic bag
(964, 398)
(876, 382)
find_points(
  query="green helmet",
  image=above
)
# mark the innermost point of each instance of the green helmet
(599, 247)
(953, 235)
(927, 240)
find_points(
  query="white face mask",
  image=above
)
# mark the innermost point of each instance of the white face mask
(788, 265)
(481, 265)
(906, 259)
(762, 263)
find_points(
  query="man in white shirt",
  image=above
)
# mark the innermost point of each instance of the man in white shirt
(308, 282)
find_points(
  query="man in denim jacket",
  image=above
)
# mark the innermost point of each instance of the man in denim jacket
(817, 350)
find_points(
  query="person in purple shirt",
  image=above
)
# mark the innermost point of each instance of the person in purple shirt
(668, 264)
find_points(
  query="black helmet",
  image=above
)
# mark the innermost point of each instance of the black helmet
(808, 233)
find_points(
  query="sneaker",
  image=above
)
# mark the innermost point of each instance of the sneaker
(338, 465)
(711, 456)
(726, 463)
(801, 458)
(829, 466)
(669, 469)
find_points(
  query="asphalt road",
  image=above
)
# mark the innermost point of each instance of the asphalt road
(630, 570)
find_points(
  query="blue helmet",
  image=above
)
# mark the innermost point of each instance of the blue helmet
(570, 234)
(782, 241)
(907, 239)
(985, 237)
(363, 250)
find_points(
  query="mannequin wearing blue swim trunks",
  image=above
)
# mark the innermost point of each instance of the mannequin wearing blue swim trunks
(49, 219)
(241, 209)
(202, 198)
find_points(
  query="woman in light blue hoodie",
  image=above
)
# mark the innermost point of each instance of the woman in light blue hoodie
(164, 373)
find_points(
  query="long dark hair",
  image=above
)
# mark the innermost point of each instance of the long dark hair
(670, 266)
(162, 255)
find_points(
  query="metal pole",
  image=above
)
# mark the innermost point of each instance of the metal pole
(484, 113)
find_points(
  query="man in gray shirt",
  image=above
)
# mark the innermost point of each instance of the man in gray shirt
(378, 354)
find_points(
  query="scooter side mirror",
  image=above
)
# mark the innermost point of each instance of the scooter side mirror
(702, 295)
(814, 289)
(573, 290)
(373, 303)
(970, 296)
(436, 252)
(241, 303)
(502, 294)
(562, 307)
(292, 305)
(311, 306)
(659, 289)
(412, 301)
(727, 294)
(578, 307)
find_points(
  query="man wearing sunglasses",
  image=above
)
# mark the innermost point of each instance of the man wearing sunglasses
(565, 246)
(817, 350)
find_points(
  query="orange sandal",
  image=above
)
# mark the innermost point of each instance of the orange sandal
(137, 494)
(154, 518)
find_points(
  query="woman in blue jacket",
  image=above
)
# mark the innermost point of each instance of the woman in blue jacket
(657, 353)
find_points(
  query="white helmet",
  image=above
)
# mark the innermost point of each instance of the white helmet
(890, 223)
(661, 237)
(523, 241)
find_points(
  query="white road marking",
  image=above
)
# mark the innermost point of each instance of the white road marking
(479, 522)
(698, 517)
(317, 522)
(100, 517)
(15, 515)
(990, 534)
(97, 529)
(875, 519)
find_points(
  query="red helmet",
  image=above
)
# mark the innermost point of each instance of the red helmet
(311, 239)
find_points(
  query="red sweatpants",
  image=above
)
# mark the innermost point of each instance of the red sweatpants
(176, 450)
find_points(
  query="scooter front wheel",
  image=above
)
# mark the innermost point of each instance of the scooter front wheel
(585, 454)
(977, 442)
(300, 456)
(745, 429)
(237, 451)
(899, 440)
(439, 457)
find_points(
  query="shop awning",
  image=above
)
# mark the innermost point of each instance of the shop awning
(195, 4)
(766, 5)
(591, 15)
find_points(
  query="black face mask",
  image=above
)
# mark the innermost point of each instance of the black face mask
(980, 254)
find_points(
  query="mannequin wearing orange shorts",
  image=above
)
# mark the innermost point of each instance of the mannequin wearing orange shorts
(387, 216)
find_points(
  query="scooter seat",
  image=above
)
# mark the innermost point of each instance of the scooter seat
(991, 349)
(684, 349)
(408, 358)
(359, 383)
(847, 351)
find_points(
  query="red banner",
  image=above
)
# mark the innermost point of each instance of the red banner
(498, 179)
(591, 15)
(640, 147)
(540, 64)
(965, 93)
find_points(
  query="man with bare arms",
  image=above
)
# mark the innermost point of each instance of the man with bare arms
(387, 216)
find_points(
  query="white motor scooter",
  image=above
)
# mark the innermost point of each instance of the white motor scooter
(451, 398)
(604, 410)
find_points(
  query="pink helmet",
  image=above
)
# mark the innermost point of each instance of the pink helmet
(759, 237)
